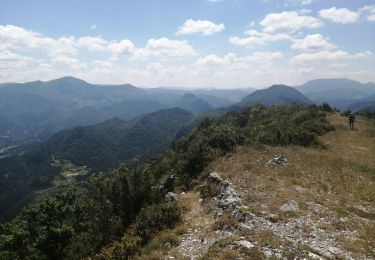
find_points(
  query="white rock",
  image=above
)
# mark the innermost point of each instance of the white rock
(289, 207)
(244, 243)
(215, 177)
(170, 197)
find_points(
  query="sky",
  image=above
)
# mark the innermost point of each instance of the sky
(194, 44)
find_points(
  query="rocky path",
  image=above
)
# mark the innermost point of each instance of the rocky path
(196, 240)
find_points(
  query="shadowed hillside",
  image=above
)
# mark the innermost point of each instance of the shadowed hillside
(276, 95)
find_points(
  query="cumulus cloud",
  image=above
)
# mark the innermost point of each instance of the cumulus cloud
(369, 11)
(200, 26)
(213, 59)
(73, 63)
(288, 22)
(63, 50)
(165, 61)
(312, 43)
(232, 58)
(164, 48)
(121, 47)
(339, 15)
(247, 42)
(262, 57)
(92, 43)
(259, 38)
(296, 2)
(325, 56)
(21, 38)
(301, 2)
(10, 60)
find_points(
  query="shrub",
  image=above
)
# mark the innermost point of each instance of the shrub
(128, 246)
(155, 218)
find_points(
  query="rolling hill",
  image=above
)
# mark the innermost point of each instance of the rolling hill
(276, 95)
(363, 105)
(337, 92)
(33, 111)
(193, 103)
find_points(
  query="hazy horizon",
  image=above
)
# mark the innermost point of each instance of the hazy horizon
(183, 88)
(195, 44)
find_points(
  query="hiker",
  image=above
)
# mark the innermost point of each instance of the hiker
(351, 119)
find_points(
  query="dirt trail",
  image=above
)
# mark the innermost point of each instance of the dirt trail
(199, 236)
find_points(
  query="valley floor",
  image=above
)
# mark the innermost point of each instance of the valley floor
(321, 204)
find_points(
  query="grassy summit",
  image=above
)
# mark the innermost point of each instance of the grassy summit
(331, 190)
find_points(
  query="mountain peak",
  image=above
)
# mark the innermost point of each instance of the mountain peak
(276, 95)
(192, 103)
(68, 79)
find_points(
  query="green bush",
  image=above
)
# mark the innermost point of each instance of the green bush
(155, 218)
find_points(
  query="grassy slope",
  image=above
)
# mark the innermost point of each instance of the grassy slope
(341, 178)
(334, 189)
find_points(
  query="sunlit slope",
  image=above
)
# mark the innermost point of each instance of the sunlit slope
(333, 189)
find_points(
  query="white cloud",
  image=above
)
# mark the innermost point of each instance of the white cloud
(259, 38)
(171, 62)
(296, 2)
(73, 63)
(312, 43)
(92, 43)
(288, 22)
(21, 38)
(262, 57)
(164, 48)
(232, 58)
(248, 42)
(121, 47)
(200, 26)
(339, 15)
(11, 60)
(213, 59)
(302, 2)
(325, 56)
(93, 27)
(304, 11)
(338, 65)
(369, 11)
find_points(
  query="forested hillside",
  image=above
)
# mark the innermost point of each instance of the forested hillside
(95, 148)
(120, 211)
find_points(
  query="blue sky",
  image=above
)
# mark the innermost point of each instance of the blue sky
(195, 43)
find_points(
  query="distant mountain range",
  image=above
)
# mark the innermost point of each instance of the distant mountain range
(34, 111)
(363, 105)
(340, 93)
(276, 95)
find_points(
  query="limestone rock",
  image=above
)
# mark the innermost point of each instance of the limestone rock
(170, 197)
(278, 160)
(289, 207)
(214, 177)
(244, 244)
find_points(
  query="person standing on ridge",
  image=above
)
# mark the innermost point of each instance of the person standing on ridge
(351, 119)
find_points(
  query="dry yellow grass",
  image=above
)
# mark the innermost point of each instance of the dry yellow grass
(341, 178)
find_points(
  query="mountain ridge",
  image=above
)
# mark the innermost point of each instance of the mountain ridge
(276, 95)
